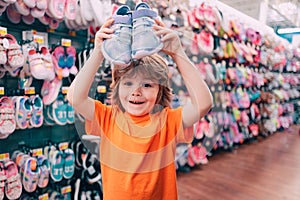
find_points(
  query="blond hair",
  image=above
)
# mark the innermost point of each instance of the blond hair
(153, 67)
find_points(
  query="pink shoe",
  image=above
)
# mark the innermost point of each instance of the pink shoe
(13, 15)
(42, 4)
(205, 42)
(36, 64)
(13, 188)
(29, 3)
(2, 180)
(71, 9)
(50, 90)
(7, 119)
(37, 13)
(57, 8)
(22, 8)
(48, 63)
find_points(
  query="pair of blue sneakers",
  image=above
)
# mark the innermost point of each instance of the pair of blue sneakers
(133, 36)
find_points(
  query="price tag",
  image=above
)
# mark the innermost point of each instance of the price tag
(101, 89)
(64, 90)
(66, 189)
(4, 156)
(44, 196)
(63, 146)
(29, 90)
(38, 39)
(2, 91)
(66, 42)
(36, 152)
(3, 30)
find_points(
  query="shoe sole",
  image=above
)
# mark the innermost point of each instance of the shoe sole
(144, 52)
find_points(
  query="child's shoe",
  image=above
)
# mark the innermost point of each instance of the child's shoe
(144, 40)
(118, 48)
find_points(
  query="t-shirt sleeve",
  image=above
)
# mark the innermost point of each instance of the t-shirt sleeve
(182, 135)
(93, 127)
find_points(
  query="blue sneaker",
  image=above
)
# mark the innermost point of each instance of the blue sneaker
(144, 40)
(117, 49)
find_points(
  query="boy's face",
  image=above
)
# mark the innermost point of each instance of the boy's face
(138, 94)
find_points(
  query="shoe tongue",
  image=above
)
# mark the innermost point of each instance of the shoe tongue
(123, 10)
(142, 6)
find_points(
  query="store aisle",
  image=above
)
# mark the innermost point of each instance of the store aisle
(268, 169)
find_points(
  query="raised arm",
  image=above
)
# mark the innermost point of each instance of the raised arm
(79, 88)
(201, 98)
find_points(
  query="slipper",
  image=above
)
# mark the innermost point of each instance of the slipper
(30, 3)
(71, 9)
(42, 4)
(37, 13)
(92, 168)
(200, 153)
(44, 168)
(205, 42)
(36, 119)
(71, 59)
(2, 180)
(86, 10)
(45, 20)
(58, 57)
(98, 16)
(13, 188)
(22, 8)
(28, 19)
(30, 174)
(56, 165)
(69, 163)
(50, 90)
(57, 8)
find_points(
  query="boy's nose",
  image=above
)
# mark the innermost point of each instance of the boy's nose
(136, 91)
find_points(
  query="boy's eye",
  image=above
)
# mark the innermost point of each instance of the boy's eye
(146, 85)
(128, 83)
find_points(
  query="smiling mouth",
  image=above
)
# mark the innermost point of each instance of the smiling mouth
(136, 102)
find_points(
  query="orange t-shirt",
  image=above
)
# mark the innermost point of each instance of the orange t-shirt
(137, 153)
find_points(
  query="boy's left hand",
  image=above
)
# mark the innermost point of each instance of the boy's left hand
(170, 39)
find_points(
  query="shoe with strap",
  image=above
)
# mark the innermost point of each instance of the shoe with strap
(144, 40)
(117, 49)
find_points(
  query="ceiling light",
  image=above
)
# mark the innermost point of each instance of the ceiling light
(288, 30)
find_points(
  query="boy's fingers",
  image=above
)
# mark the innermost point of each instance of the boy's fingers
(160, 23)
(107, 30)
(108, 22)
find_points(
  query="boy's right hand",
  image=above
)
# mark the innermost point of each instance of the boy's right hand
(105, 32)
